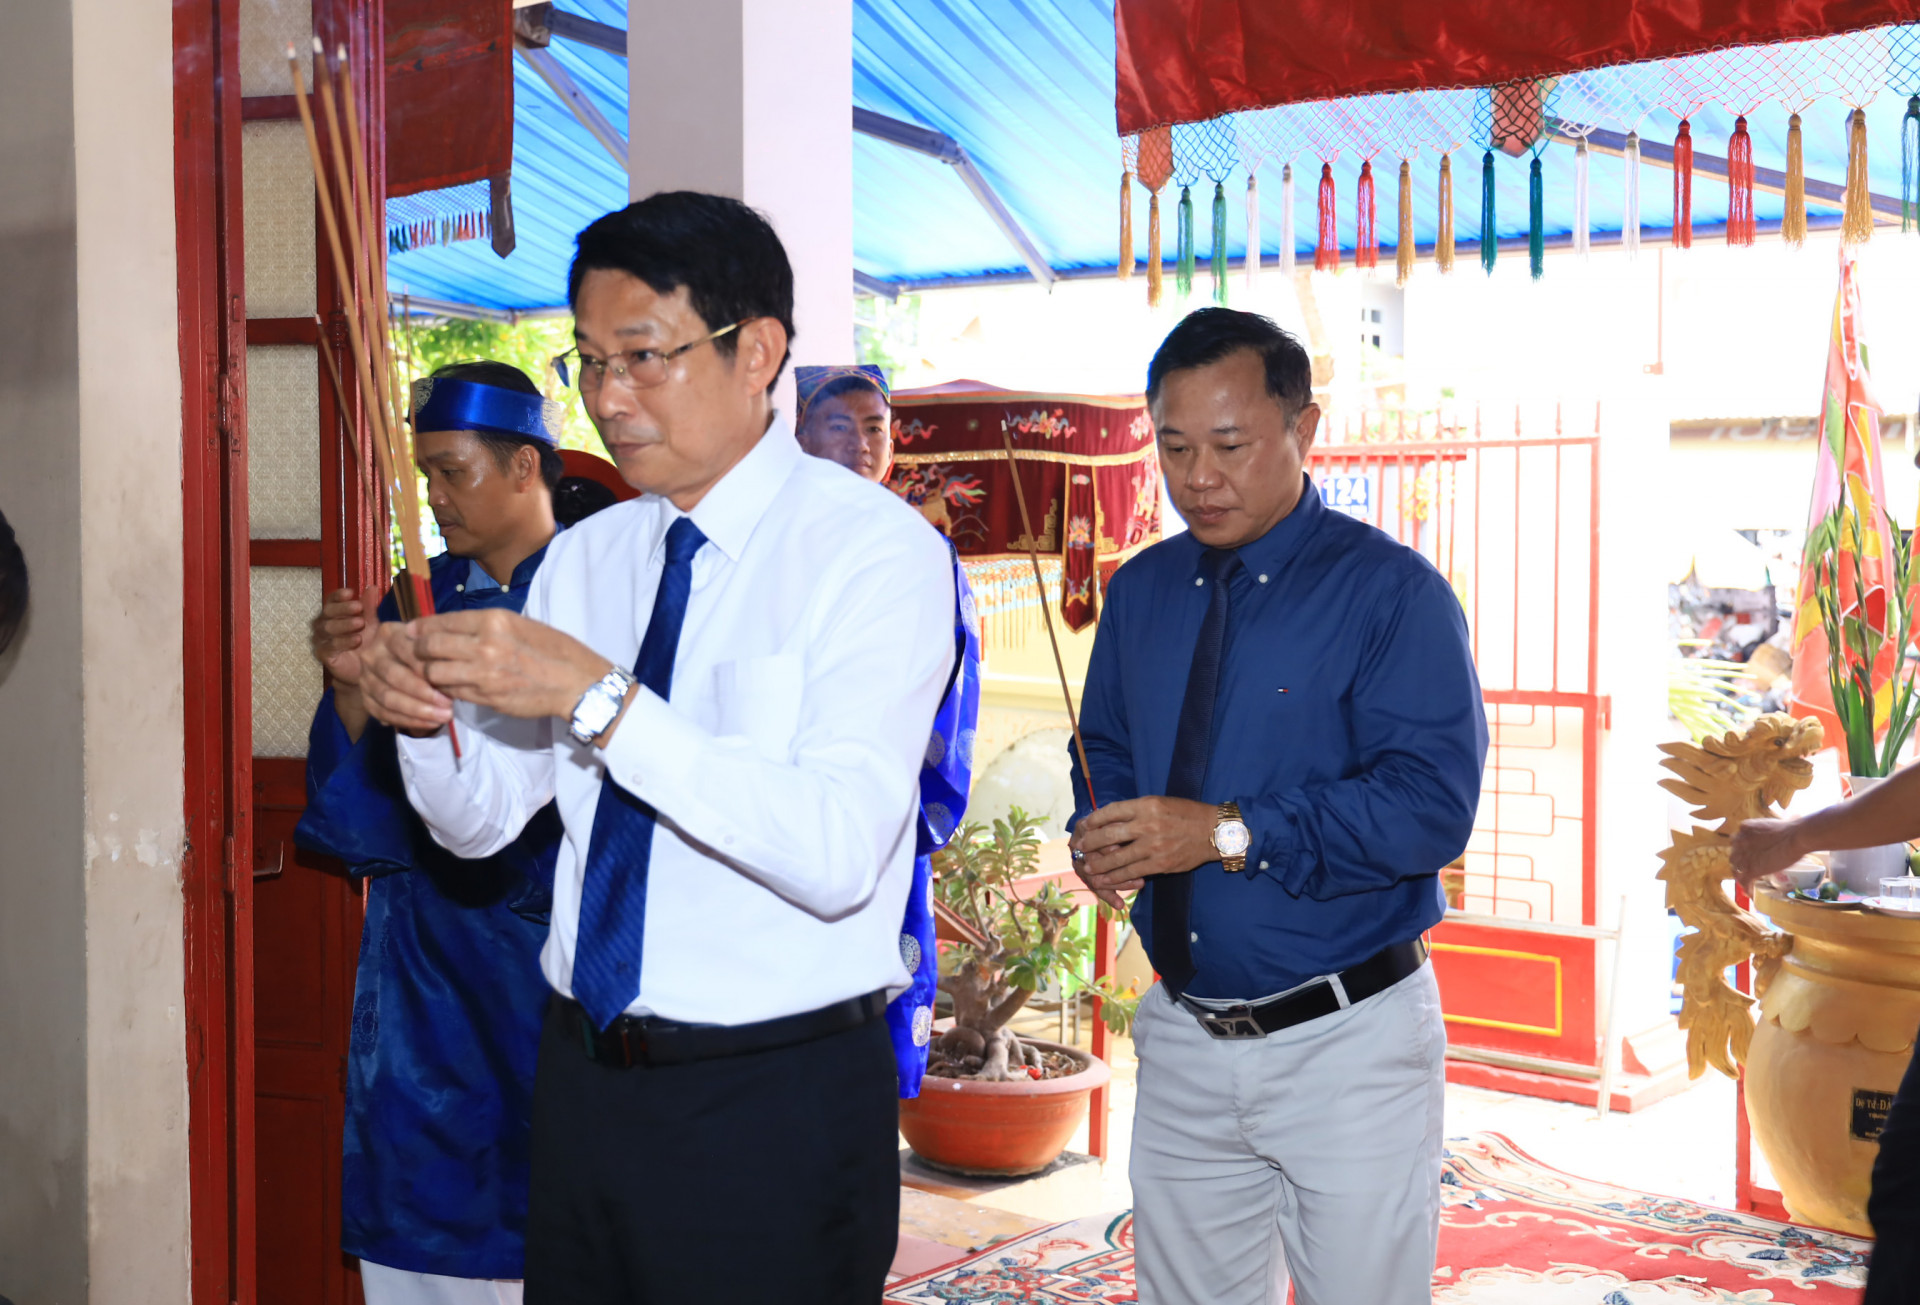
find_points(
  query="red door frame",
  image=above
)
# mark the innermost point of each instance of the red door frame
(217, 649)
(216, 652)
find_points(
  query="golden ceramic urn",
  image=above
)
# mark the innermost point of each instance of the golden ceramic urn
(1839, 988)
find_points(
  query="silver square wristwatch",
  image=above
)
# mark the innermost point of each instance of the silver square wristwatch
(599, 705)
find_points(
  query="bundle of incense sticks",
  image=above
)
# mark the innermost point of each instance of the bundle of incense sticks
(349, 200)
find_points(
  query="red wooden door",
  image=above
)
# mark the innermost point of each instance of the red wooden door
(274, 519)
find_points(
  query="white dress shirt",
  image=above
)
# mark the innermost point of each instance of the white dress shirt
(784, 764)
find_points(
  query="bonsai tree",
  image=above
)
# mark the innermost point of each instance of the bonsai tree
(1018, 944)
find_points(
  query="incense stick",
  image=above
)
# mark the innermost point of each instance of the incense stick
(339, 392)
(1040, 584)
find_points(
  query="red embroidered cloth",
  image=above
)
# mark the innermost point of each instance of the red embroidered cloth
(1189, 60)
(449, 93)
(1088, 466)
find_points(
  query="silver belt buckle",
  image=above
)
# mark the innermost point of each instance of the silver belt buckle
(1234, 1024)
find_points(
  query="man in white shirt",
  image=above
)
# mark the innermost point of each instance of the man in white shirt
(714, 1115)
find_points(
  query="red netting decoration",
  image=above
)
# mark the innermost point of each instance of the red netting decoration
(1326, 255)
(1740, 185)
(1366, 234)
(1683, 187)
(1155, 170)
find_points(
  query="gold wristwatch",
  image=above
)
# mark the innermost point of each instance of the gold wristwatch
(1231, 838)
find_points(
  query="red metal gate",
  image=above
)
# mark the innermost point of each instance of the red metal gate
(1513, 522)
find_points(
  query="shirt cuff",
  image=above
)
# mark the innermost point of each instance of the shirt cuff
(654, 746)
(1274, 847)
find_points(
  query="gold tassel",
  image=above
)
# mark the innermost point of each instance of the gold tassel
(1154, 273)
(1856, 228)
(1793, 223)
(1443, 242)
(1403, 248)
(1126, 225)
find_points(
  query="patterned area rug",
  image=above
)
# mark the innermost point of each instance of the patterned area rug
(1512, 1232)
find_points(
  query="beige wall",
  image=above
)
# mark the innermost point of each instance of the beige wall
(93, 1170)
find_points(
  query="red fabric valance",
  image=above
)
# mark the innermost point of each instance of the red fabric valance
(449, 93)
(1189, 60)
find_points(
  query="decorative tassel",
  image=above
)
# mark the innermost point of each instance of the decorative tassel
(1630, 217)
(1220, 243)
(1326, 255)
(1740, 185)
(1443, 239)
(1183, 268)
(1536, 221)
(1856, 227)
(1156, 272)
(1683, 187)
(1489, 230)
(1286, 220)
(1403, 237)
(1126, 225)
(1366, 234)
(1910, 166)
(1253, 230)
(1582, 220)
(1793, 223)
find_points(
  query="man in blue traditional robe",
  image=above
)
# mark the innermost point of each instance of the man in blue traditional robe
(844, 417)
(449, 996)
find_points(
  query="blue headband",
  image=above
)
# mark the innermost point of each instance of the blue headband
(440, 403)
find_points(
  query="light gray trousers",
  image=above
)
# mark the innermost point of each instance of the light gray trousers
(1313, 1152)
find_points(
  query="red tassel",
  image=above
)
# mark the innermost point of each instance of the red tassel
(1740, 185)
(1683, 187)
(1326, 258)
(1366, 238)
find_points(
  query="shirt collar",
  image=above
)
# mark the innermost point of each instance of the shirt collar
(477, 577)
(1267, 554)
(730, 510)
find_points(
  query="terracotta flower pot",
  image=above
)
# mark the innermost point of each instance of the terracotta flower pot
(1000, 1129)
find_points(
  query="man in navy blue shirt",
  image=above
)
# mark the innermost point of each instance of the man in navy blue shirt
(1286, 738)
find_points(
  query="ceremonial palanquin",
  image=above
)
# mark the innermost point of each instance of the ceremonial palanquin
(1087, 463)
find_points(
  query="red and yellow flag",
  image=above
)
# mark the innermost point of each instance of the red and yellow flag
(1848, 476)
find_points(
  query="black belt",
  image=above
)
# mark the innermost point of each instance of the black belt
(634, 1040)
(1323, 997)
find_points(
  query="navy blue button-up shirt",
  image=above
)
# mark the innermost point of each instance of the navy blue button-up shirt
(1349, 728)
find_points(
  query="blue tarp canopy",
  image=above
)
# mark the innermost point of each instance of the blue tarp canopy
(1027, 88)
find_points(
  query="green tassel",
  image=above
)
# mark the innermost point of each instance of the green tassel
(1220, 243)
(1489, 231)
(1183, 270)
(1536, 222)
(1910, 166)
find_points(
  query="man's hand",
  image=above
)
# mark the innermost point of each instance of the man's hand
(505, 661)
(393, 681)
(1761, 847)
(1122, 844)
(341, 631)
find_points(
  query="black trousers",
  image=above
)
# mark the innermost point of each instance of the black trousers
(1893, 1207)
(772, 1176)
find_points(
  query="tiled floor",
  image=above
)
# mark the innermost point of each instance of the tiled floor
(1682, 1146)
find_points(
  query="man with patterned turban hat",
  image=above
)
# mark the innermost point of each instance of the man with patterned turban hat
(449, 996)
(845, 417)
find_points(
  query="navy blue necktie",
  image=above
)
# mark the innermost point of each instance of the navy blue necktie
(1187, 776)
(613, 896)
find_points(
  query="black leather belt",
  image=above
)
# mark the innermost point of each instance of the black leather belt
(634, 1040)
(1337, 992)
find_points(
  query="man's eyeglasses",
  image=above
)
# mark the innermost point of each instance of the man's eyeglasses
(641, 368)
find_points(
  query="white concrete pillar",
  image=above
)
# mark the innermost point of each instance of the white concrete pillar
(754, 99)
